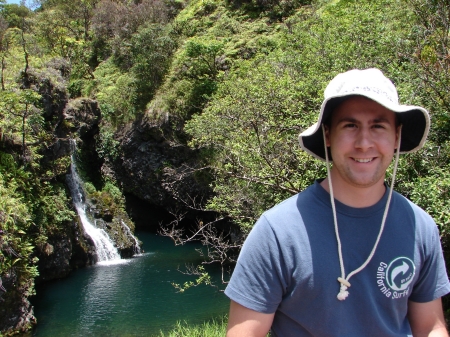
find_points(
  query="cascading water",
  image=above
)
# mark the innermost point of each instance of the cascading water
(103, 245)
(136, 248)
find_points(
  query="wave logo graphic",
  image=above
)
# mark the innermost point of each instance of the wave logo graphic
(400, 273)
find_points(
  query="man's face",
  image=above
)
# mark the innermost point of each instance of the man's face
(362, 137)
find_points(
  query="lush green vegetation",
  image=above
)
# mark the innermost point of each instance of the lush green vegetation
(214, 328)
(237, 80)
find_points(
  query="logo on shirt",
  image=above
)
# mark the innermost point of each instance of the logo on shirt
(394, 278)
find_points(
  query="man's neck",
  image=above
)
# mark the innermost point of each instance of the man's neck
(353, 196)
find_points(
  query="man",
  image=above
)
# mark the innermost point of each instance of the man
(347, 256)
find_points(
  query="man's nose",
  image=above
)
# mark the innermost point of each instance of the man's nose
(364, 139)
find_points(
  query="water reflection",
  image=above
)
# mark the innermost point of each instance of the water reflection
(134, 298)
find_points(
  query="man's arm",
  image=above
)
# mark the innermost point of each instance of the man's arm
(427, 319)
(246, 322)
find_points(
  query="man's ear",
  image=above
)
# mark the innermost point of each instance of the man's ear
(327, 134)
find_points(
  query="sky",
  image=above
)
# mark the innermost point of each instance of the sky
(27, 2)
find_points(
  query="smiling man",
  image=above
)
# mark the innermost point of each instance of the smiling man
(348, 256)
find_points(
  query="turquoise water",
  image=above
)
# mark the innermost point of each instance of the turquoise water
(134, 298)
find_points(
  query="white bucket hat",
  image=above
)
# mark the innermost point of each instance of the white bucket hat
(370, 83)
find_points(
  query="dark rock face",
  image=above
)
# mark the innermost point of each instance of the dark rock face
(146, 215)
(63, 252)
(16, 312)
(84, 116)
(54, 258)
(54, 99)
(157, 170)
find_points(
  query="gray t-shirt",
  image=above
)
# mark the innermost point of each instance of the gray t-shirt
(289, 265)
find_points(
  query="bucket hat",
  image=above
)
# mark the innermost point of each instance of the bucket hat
(370, 83)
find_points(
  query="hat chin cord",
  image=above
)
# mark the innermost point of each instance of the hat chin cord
(344, 280)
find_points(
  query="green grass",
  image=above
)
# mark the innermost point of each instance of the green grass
(214, 328)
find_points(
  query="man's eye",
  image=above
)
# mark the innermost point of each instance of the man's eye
(378, 126)
(350, 125)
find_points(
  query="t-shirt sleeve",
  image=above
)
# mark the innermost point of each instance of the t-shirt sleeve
(433, 281)
(259, 278)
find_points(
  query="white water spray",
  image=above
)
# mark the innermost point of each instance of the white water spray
(137, 248)
(103, 245)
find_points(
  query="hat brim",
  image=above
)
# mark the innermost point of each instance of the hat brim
(415, 122)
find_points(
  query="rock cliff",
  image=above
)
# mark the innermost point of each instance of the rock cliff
(157, 171)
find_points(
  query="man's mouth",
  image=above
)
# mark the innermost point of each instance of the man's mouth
(363, 160)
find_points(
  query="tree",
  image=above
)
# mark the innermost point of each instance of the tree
(251, 140)
(20, 116)
(14, 14)
(4, 47)
(430, 188)
(114, 24)
(62, 36)
(17, 264)
(16, 18)
(78, 15)
(151, 55)
(276, 10)
(432, 56)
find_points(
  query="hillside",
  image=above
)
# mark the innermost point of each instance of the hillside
(190, 111)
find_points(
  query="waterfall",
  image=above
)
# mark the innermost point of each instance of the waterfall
(137, 248)
(104, 247)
